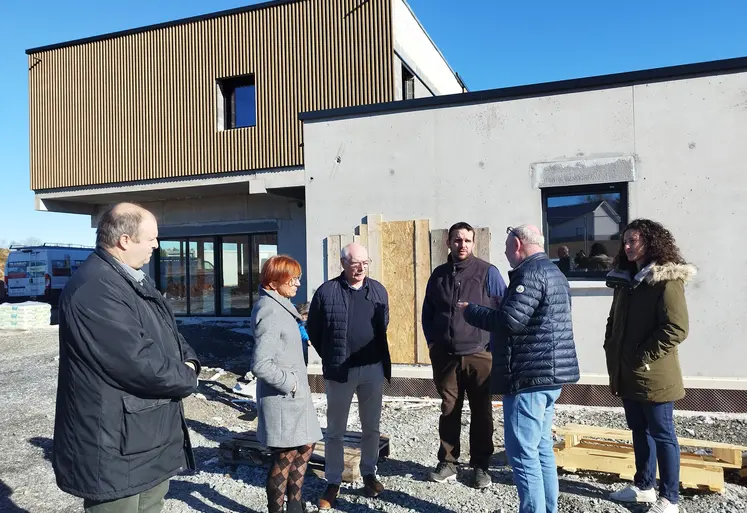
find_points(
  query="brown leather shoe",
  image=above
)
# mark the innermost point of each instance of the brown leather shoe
(327, 501)
(372, 487)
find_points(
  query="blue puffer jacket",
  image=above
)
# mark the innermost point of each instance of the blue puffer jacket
(327, 326)
(532, 331)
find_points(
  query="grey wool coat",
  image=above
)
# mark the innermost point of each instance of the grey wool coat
(285, 419)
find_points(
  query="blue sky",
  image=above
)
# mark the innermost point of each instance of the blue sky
(491, 43)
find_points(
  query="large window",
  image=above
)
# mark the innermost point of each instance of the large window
(213, 275)
(583, 227)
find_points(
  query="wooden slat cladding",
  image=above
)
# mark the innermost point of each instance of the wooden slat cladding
(143, 106)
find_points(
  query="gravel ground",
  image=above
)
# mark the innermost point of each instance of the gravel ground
(28, 367)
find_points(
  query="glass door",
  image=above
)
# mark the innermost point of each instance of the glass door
(202, 276)
(264, 246)
(173, 274)
(236, 293)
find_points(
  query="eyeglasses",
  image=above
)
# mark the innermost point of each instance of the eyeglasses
(364, 263)
(295, 281)
(512, 231)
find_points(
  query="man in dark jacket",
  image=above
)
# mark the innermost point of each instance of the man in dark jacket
(347, 324)
(120, 432)
(459, 353)
(533, 356)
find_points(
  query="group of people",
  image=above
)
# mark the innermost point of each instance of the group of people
(120, 430)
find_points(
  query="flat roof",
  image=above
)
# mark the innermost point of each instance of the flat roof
(147, 28)
(680, 72)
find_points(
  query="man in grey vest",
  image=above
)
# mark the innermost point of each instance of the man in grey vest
(460, 356)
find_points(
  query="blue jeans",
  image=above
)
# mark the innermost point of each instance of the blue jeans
(527, 422)
(654, 439)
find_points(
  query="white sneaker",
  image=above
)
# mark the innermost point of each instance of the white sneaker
(632, 493)
(664, 506)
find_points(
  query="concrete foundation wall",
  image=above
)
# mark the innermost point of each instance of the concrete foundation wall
(679, 144)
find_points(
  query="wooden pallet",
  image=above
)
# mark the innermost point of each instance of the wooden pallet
(246, 449)
(599, 449)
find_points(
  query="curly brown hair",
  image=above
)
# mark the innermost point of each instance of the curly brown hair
(659, 242)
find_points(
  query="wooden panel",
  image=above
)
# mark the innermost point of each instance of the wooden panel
(362, 233)
(439, 250)
(422, 262)
(482, 243)
(334, 268)
(375, 248)
(143, 105)
(397, 242)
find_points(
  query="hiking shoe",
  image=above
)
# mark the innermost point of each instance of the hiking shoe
(327, 501)
(632, 493)
(444, 472)
(372, 487)
(482, 479)
(664, 506)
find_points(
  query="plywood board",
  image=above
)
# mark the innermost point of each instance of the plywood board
(482, 243)
(397, 244)
(375, 252)
(362, 233)
(333, 257)
(422, 273)
(439, 249)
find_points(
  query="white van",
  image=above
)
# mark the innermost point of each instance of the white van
(39, 273)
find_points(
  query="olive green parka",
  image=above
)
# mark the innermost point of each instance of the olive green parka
(647, 322)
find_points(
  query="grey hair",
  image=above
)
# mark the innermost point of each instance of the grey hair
(527, 236)
(112, 226)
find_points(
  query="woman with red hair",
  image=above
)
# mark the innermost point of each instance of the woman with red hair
(287, 421)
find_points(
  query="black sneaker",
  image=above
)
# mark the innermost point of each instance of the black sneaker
(482, 479)
(444, 472)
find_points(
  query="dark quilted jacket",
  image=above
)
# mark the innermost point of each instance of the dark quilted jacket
(327, 326)
(532, 330)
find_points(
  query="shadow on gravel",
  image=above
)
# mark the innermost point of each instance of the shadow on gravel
(194, 495)
(6, 503)
(43, 443)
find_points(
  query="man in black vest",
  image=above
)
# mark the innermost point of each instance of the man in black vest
(459, 353)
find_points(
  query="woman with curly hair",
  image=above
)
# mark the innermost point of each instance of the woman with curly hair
(647, 322)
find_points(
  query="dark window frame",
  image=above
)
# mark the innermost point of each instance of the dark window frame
(577, 190)
(217, 268)
(228, 88)
(408, 83)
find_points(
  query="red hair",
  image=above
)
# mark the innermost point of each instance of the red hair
(280, 269)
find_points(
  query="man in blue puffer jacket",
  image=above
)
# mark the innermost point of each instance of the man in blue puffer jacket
(533, 356)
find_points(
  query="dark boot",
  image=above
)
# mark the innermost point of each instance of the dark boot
(295, 506)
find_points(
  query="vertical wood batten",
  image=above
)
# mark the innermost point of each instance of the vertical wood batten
(144, 106)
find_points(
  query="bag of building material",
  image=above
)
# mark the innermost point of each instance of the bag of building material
(25, 316)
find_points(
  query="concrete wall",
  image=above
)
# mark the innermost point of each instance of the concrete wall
(680, 145)
(237, 214)
(413, 46)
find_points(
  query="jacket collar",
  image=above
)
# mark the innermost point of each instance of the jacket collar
(461, 264)
(281, 300)
(532, 258)
(653, 273)
(139, 288)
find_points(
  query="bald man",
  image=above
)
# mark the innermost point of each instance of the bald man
(533, 357)
(347, 324)
(120, 432)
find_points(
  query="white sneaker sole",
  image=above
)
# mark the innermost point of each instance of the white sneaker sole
(444, 480)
